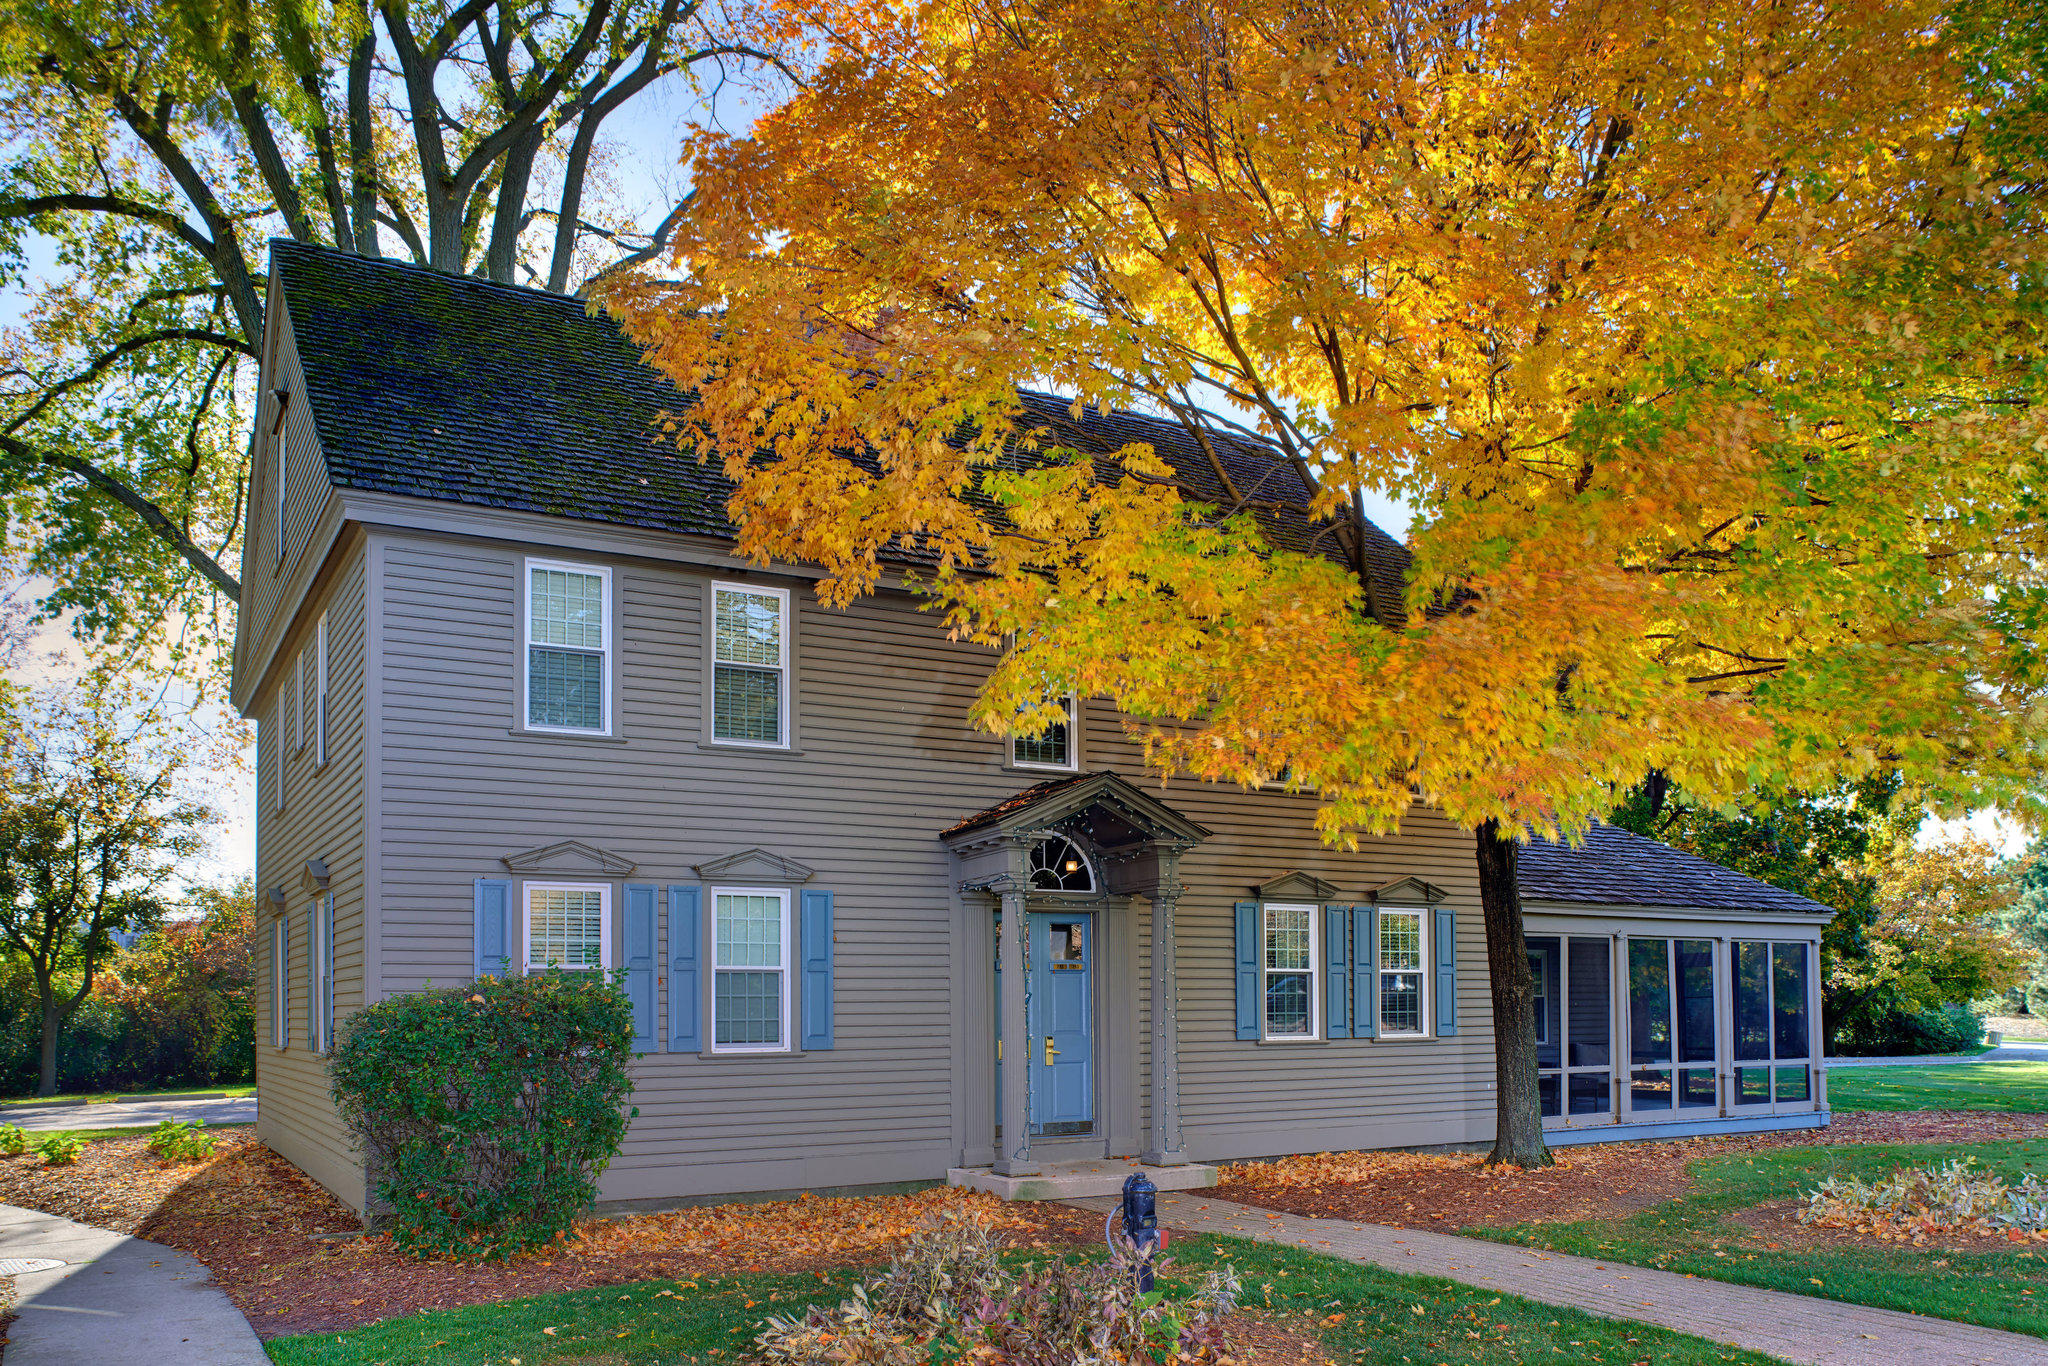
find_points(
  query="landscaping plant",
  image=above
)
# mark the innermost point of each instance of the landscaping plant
(60, 1150)
(487, 1111)
(1957, 1196)
(948, 1297)
(13, 1142)
(181, 1142)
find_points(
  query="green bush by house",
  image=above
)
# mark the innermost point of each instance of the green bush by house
(487, 1111)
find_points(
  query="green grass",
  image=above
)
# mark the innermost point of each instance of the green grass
(36, 1136)
(97, 1097)
(1385, 1319)
(2012, 1086)
(2002, 1288)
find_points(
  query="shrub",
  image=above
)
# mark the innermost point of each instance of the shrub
(487, 1111)
(60, 1150)
(1945, 1029)
(948, 1297)
(13, 1142)
(186, 1142)
(1915, 1201)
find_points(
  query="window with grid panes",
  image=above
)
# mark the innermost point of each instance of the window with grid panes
(1051, 748)
(568, 642)
(750, 655)
(1402, 981)
(568, 925)
(1289, 957)
(750, 967)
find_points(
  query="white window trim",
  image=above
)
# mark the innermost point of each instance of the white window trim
(316, 974)
(781, 666)
(604, 912)
(527, 642)
(320, 691)
(280, 982)
(1425, 969)
(1316, 969)
(1073, 763)
(1543, 994)
(298, 701)
(282, 471)
(278, 805)
(788, 1030)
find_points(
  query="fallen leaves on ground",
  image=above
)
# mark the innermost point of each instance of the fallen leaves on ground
(862, 1227)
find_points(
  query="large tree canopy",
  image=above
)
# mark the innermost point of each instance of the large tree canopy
(1705, 335)
(152, 149)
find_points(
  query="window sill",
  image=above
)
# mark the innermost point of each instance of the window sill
(1040, 774)
(1297, 1043)
(526, 733)
(743, 1055)
(741, 747)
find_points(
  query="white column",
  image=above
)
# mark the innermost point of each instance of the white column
(1164, 1146)
(1013, 1149)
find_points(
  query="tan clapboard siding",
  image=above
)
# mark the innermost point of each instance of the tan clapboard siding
(322, 818)
(887, 760)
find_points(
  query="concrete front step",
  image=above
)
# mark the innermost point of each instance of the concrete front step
(1078, 1180)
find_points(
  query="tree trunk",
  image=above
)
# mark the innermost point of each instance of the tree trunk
(1518, 1123)
(53, 1020)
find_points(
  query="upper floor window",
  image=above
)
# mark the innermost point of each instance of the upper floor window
(1051, 748)
(749, 664)
(1058, 866)
(1288, 958)
(280, 482)
(1403, 984)
(568, 925)
(568, 647)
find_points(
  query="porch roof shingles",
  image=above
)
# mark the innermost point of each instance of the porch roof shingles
(1617, 867)
(457, 389)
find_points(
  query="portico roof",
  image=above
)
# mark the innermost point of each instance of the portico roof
(1108, 810)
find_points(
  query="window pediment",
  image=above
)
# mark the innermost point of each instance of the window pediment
(569, 856)
(756, 865)
(1410, 889)
(1295, 885)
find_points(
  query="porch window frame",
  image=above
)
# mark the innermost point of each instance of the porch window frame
(1421, 971)
(1736, 1064)
(1314, 971)
(606, 924)
(1721, 961)
(784, 669)
(787, 1030)
(607, 654)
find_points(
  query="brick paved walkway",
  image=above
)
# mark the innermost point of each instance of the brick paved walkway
(1797, 1328)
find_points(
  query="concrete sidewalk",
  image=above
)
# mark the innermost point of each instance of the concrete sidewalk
(116, 1301)
(129, 1114)
(1795, 1328)
(2019, 1050)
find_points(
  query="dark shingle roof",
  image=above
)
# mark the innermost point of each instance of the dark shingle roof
(448, 387)
(1030, 796)
(1616, 867)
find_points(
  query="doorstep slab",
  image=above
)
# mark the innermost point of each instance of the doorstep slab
(1078, 1180)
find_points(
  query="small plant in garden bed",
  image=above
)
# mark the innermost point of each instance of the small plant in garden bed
(181, 1142)
(949, 1297)
(1957, 1196)
(60, 1150)
(13, 1141)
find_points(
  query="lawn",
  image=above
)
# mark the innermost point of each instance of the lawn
(2000, 1286)
(1363, 1314)
(2012, 1086)
(95, 1097)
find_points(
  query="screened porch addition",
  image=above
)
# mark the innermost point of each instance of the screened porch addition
(1648, 1028)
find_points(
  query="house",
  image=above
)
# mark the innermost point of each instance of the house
(519, 704)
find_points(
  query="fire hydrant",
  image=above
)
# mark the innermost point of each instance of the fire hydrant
(1141, 1224)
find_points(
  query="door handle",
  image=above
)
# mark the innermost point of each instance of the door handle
(1050, 1051)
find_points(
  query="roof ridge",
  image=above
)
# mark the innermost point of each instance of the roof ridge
(293, 246)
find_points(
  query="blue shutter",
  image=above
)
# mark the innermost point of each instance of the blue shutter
(493, 927)
(1247, 969)
(1365, 992)
(284, 932)
(639, 927)
(1337, 982)
(1446, 973)
(685, 990)
(817, 950)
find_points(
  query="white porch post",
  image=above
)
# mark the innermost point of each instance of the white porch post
(1013, 1149)
(1164, 1146)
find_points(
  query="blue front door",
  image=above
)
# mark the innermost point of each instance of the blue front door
(1062, 1045)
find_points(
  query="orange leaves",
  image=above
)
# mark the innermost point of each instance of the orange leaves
(835, 1228)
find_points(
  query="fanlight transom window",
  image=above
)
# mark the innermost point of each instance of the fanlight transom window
(1057, 865)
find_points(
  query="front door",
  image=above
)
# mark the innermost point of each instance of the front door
(1062, 1044)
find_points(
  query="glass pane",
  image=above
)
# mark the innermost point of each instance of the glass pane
(1543, 968)
(1400, 941)
(1401, 1002)
(1753, 1002)
(1057, 866)
(1752, 1086)
(1695, 1000)
(1649, 1001)
(564, 688)
(565, 928)
(748, 1008)
(749, 931)
(1650, 1090)
(1591, 1094)
(1049, 748)
(1068, 947)
(747, 704)
(1696, 1089)
(1792, 1084)
(568, 609)
(749, 628)
(1287, 937)
(1549, 1089)
(1287, 1003)
(1591, 1023)
(1788, 971)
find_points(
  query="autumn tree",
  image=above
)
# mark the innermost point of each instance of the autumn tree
(93, 828)
(1704, 336)
(152, 148)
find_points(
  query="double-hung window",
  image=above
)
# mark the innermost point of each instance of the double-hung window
(320, 974)
(1053, 747)
(750, 665)
(750, 990)
(280, 983)
(1404, 985)
(568, 647)
(568, 925)
(1289, 953)
(320, 690)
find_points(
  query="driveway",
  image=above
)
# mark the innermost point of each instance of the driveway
(128, 1114)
